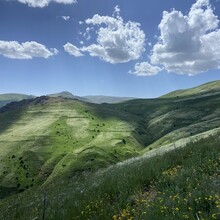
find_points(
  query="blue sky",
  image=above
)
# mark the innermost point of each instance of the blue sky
(117, 48)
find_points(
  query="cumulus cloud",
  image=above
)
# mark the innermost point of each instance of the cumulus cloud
(188, 44)
(26, 50)
(44, 3)
(65, 18)
(72, 50)
(145, 69)
(117, 41)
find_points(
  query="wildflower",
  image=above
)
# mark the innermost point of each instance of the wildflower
(214, 216)
(114, 217)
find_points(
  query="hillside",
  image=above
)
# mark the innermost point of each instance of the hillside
(180, 184)
(205, 89)
(61, 142)
(46, 138)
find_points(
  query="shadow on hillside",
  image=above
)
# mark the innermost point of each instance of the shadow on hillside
(154, 118)
(11, 113)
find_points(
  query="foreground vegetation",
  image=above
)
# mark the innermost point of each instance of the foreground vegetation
(181, 184)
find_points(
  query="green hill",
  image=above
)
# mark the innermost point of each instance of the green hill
(205, 89)
(47, 138)
(95, 160)
(180, 184)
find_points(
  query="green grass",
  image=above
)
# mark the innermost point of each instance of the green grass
(63, 138)
(68, 148)
(177, 185)
(68, 137)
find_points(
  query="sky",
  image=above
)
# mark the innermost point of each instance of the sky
(114, 47)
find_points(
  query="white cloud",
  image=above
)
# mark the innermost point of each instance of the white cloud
(188, 44)
(145, 69)
(117, 11)
(65, 18)
(72, 50)
(26, 50)
(86, 34)
(117, 41)
(44, 3)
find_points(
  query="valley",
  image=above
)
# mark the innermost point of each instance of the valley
(63, 145)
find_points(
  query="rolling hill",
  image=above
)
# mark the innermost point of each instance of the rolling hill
(62, 142)
(205, 89)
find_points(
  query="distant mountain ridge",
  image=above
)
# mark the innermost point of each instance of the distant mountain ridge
(13, 97)
(16, 97)
(202, 90)
(99, 99)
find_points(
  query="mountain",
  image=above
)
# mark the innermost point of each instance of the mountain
(13, 97)
(67, 94)
(106, 99)
(63, 94)
(82, 154)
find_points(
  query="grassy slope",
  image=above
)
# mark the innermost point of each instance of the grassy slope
(49, 139)
(65, 137)
(164, 121)
(181, 184)
(199, 90)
